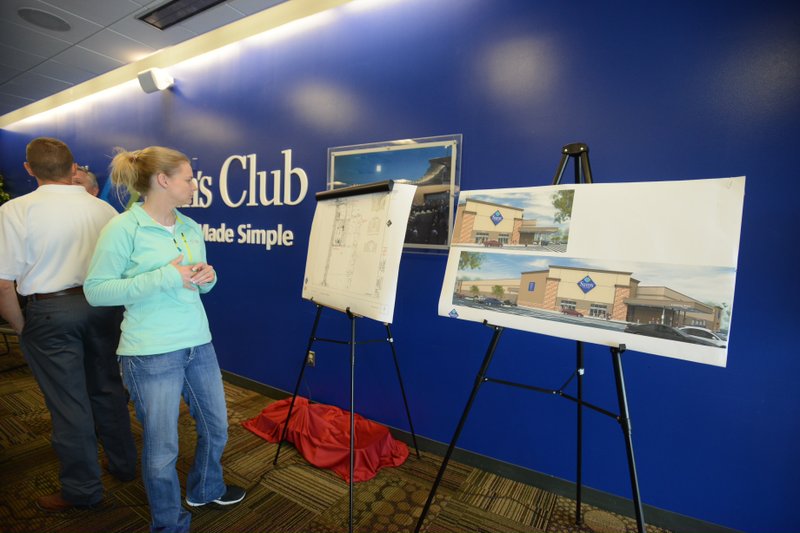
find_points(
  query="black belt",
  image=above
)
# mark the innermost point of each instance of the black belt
(46, 295)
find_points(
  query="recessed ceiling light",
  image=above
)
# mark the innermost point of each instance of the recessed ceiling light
(176, 11)
(43, 19)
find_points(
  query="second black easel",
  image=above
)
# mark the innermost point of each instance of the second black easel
(352, 343)
(579, 152)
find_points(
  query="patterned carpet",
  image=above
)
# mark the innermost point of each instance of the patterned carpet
(292, 496)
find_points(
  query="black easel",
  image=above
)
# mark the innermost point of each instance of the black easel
(583, 173)
(580, 153)
(352, 343)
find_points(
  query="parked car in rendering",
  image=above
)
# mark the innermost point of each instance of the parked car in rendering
(705, 334)
(570, 311)
(493, 244)
(665, 332)
(492, 302)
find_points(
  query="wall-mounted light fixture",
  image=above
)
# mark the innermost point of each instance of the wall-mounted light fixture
(155, 79)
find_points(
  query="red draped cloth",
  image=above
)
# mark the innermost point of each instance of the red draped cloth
(321, 433)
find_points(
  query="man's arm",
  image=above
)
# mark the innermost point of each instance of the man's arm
(9, 305)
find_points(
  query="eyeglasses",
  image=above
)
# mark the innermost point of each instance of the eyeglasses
(83, 168)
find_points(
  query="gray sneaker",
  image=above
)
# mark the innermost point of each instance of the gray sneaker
(232, 496)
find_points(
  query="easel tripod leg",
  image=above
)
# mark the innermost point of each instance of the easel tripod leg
(625, 422)
(352, 410)
(402, 388)
(297, 386)
(479, 379)
(579, 451)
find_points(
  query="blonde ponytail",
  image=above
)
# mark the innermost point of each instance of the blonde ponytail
(134, 170)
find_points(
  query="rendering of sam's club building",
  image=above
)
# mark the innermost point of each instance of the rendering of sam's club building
(596, 293)
(479, 222)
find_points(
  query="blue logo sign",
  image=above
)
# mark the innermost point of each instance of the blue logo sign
(453, 314)
(586, 284)
(531, 286)
(497, 217)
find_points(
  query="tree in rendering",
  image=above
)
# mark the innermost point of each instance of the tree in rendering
(562, 201)
(470, 261)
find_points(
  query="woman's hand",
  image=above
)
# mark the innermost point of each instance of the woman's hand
(186, 272)
(203, 273)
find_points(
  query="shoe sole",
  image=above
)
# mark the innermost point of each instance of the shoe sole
(213, 504)
(54, 511)
(93, 507)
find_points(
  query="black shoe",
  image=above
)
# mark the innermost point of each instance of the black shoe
(232, 496)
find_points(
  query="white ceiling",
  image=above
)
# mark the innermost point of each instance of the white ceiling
(105, 34)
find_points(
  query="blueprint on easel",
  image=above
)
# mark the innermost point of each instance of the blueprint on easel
(354, 251)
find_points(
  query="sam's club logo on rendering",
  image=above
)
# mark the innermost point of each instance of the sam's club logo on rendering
(453, 314)
(496, 217)
(586, 284)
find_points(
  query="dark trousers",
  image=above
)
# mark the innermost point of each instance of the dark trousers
(71, 349)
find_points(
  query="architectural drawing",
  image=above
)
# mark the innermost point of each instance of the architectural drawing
(354, 251)
(629, 272)
(530, 219)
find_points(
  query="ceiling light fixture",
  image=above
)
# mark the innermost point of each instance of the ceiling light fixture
(43, 19)
(176, 11)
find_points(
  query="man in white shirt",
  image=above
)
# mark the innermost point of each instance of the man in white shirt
(47, 238)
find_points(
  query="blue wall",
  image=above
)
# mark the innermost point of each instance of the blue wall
(659, 91)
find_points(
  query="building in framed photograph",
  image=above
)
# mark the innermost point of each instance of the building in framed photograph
(431, 163)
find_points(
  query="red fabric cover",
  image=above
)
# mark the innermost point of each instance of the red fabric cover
(321, 433)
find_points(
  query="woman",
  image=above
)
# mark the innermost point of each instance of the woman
(151, 259)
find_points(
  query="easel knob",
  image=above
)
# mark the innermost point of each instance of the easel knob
(575, 149)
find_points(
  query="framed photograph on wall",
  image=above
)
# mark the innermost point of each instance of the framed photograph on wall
(433, 164)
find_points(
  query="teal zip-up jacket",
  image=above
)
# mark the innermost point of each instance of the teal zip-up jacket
(131, 267)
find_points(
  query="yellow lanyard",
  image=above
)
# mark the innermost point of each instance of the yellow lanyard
(185, 242)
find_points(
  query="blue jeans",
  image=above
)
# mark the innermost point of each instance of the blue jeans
(156, 384)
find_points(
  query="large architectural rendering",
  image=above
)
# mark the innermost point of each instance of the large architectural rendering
(648, 265)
